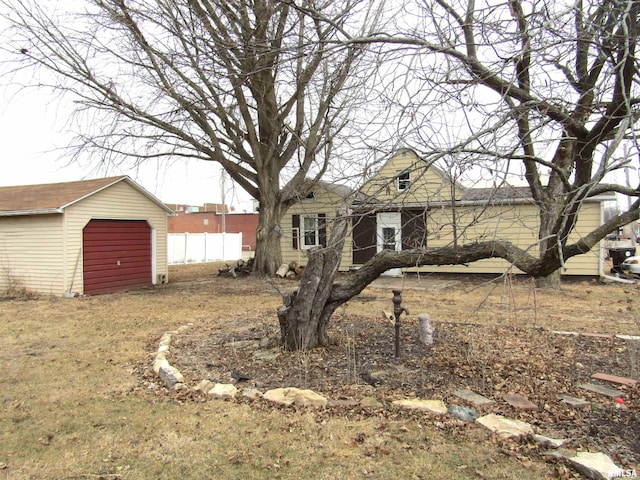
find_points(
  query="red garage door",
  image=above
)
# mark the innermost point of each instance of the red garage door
(116, 255)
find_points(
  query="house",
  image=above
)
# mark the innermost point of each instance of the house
(214, 218)
(83, 237)
(307, 223)
(409, 204)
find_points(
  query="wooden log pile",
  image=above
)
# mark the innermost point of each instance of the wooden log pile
(239, 267)
(290, 270)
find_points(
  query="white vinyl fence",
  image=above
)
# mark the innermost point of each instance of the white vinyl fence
(204, 247)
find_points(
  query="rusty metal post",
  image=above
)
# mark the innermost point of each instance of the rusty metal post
(397, 311)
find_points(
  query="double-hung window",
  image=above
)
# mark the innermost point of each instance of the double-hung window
(403, 180)
(310, 231)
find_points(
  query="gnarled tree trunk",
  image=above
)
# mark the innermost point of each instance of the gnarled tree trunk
(304, 323)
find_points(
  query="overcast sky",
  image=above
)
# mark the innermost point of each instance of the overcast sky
(32, 133)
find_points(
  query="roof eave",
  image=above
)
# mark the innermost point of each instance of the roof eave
(40, 211)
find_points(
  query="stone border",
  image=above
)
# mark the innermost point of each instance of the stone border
(591, 464)
(169, 375)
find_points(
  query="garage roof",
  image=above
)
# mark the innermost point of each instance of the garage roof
(55, 197)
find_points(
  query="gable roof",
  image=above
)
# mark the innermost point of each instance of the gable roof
(55, 197)
(496, 194)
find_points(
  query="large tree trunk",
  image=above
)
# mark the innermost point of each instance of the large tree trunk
(268, 255)
(304, 323)
(551, 281)
(549, 214)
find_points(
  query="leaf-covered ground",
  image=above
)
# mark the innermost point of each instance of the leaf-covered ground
(491, 358)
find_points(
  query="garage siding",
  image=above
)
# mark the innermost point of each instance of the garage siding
(31, 256)
(118, 202)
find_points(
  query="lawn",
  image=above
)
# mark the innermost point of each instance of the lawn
(79, 399)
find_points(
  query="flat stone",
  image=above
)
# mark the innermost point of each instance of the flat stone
(160, 362)
(606, 391)
(628, 337)
(462, 413)
(270, 356)
(596, 466)
(598, 335)
(223, 390)
(520, 401)
(371, 402)
(343, 403)
(630, 382)
(268, 342)
(170, 375)
(204, 386)
(505, 427)
(309, 398)
(289, 396)
(560, 453)
(473, 397)
(549, 442)
(430, 406)
(251, 393)
(243, 344)
(574, 401)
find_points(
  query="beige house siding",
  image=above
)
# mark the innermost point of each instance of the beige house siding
(516, 223)
(426, 185)
(31, 255)
(118, 202)
(324, 202)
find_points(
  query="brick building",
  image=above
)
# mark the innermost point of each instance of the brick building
(214, 218)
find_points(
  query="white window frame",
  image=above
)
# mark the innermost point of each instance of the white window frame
(403, 184)
(303, 236)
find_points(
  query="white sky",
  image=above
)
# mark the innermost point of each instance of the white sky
(32, 132)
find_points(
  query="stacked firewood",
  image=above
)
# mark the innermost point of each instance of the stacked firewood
(239, 267)
(290, 270)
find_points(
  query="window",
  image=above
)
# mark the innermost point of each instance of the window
(309, 230)
(389, 238)
(310, 233)
(403, 180)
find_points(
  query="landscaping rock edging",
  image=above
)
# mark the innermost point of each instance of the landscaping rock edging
(169, 375)
(590, 464)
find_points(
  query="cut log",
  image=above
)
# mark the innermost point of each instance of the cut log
(282, 271)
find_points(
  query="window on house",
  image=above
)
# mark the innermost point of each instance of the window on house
(206, 221)
(389, 238)
(310, 231)
(403, 180)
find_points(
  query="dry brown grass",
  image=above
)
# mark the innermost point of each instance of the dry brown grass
(73, 404)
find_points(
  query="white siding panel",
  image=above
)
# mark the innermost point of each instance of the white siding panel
(31, 253)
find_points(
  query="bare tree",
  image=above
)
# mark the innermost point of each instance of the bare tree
(548, 91)
(255, 86)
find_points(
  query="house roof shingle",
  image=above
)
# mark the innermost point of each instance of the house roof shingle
(54, 197)
(505, 192)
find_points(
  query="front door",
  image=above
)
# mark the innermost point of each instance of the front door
(389, 236)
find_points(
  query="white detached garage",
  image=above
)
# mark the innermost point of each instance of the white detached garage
(85, 237)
